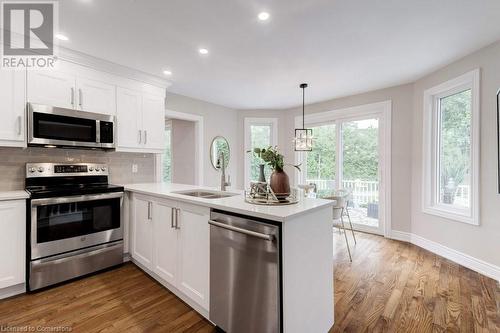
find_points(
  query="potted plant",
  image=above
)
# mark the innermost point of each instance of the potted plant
(279, 181)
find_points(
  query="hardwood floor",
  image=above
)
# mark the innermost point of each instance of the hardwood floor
(391, 286)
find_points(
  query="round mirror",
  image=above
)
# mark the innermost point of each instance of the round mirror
(219, 150)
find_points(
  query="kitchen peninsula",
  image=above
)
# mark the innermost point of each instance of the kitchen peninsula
(189, 237)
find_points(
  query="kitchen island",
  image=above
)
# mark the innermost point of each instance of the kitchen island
(169, 229)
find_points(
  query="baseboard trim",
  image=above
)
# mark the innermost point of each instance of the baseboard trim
(477, 265)
(400, 236)
(13, 290)
(463, 259)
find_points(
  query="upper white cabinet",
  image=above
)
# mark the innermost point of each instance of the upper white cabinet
(74, 87)
(178, 239)
(95, 96)
(12, 106)
(12, 242)
(141, 121)
(51, 87)
(129, 118)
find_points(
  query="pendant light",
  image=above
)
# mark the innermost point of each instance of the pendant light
(303, 136)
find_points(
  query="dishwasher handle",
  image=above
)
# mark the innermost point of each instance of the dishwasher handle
(242, 231)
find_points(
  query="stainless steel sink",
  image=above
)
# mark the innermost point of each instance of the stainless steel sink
(206, 194)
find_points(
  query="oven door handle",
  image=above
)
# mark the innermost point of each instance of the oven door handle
(76, 198)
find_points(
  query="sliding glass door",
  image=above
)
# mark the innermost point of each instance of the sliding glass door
(347, 155)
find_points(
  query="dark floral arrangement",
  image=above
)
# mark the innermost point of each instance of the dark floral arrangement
(272, 157)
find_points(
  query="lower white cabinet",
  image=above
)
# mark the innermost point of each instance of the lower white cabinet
(12, 242)
(142, 231)
(171, 239)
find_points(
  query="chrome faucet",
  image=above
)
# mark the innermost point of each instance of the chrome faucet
(222, 165)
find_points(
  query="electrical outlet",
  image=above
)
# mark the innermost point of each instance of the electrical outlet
(135, 168)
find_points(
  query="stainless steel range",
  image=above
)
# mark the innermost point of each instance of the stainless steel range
(74, 222)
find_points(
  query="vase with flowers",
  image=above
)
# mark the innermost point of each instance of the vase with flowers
(279, 180)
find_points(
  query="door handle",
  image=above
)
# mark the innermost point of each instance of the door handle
(80, 97)
(145, 136)
(140, 136)
(149, 210)
(172, 217)
(19, 125)
(242, 231)
(72, 97)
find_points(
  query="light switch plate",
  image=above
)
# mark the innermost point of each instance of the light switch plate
(135, 168)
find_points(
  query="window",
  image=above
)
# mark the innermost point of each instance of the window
(166, 157)
(259, 133)
(451, 149)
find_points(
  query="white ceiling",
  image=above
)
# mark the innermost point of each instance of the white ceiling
(340, 47)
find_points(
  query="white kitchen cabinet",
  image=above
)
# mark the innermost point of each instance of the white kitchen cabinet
(12, 242)
(73, 87)
(153, 121)
(165, 241)
(95, 96)
(193, 249)
(178, 239)
(12, 106)
(140, 121)
(129, 118)
(142, 231)
(51, 87)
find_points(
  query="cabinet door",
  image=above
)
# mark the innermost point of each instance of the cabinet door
(12, 242)
(95, 96)
(193, 251)
(12, 105)
(165, 241)
(153, 121)
(129, 118)
(52, 87)
(142, 233)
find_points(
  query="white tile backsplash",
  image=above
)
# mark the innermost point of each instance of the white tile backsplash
(13, 162)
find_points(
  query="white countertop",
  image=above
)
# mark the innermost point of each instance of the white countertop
(13, 195)
(235, 204)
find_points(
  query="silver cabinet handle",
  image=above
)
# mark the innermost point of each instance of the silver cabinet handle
(140, 136)
(172, 217)
(145, 137)
(19, 124)
(80, 97)
(242, 231)
(149, 210)
(177, 210)
(72, 97)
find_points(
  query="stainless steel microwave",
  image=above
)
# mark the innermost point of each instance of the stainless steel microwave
(50, 126)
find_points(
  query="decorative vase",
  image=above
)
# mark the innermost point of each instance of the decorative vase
(280, 184)
(262, 175)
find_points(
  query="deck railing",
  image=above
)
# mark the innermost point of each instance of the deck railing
(363, 192)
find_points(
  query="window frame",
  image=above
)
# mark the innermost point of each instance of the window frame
(248, 122)
(432, 149)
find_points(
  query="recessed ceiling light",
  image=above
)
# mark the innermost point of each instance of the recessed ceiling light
(167, 72)
(263, 16)
(203, 51)
(61, 37)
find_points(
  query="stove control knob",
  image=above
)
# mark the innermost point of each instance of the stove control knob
(91, 168)
(32, 169)
(103, 169)
(40, 169)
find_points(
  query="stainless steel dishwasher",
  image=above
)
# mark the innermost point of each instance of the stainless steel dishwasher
(244, 274)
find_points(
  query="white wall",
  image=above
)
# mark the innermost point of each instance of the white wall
(183, 152)
(483, 241)
(217, 120)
